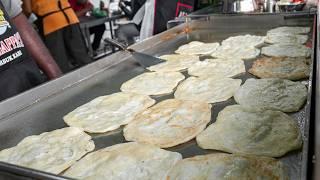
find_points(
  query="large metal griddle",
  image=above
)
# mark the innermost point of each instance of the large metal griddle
(42, 108)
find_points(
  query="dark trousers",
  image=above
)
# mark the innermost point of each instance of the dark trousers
(67, 48)
(19, 77)
(98, 32)
(127, 32)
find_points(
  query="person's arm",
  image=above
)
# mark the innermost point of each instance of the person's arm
(36, 48)
(26, 7)
(82, 12)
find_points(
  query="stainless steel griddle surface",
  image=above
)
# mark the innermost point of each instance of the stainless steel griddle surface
(46, 115)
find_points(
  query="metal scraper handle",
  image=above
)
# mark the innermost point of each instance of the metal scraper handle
(119, 45)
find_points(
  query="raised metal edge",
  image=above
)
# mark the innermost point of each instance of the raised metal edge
(306, 151)
(24, 172)
(316, 168)
(199, 16)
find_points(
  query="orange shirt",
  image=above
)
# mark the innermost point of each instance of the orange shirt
(56, 20)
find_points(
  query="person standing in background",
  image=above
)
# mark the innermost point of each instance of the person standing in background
(135, 11)
(82, 7)
(21, 51)
(59, 27)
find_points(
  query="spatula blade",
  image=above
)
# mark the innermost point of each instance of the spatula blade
(146, 60)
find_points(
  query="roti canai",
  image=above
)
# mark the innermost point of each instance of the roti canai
(244, 40)
(239, 130)
(125, 161)
(286, 39)
(197, 48)
(236, 51)
(289, 30)
(272, 94)
(169, 123)
(52, 152)
(228, 167)
(281, 67)
(207, 89)
(286, 50)
(107, 113)
(217, 68)
(154, 83)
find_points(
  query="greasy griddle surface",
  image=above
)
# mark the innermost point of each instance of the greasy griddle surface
(47, 115)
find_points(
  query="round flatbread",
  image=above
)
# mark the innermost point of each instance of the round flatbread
(238, 130)
(237, 52)
(169, 123)
(197, 48)
(107, 113)
(173, 57)
(154, 83)
(125, 161)
(244, 40)
(281, 67)
(273, 94)
(286, 50)
(289, 30)
(217, 68)
(286, 39)
(51, 152)
(174, 65)
(209, 90)
(228, 166)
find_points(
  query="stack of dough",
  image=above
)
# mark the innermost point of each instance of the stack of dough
(107, 113)
(197, 48)
(207, 89)
(52, 152)
(217, 68)
(125, 161)
(155, 83)
(228, 166)
(253, 132)
(169, 123)
(273, 94)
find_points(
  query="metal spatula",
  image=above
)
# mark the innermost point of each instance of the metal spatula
(144, 60)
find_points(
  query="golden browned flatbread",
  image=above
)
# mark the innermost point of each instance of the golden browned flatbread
(281, 67)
